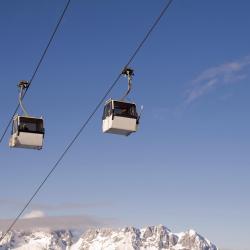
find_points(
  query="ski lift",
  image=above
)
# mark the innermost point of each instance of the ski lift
(27, 131)
(119, 116)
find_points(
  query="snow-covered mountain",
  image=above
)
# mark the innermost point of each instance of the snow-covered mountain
(130, 238)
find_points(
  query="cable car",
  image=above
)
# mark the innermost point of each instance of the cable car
(27, 131)
(121, 117)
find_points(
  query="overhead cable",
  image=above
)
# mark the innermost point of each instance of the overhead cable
(88, 119)
(37, 66)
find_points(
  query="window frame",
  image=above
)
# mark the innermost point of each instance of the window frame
(128, 114)
(38, 122)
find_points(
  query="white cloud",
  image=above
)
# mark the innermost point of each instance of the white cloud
(34, 214)
(59, 222)
(201, 90)
(213, 77)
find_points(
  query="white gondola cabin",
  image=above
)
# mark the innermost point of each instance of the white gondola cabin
(27, 132)
(119, 117)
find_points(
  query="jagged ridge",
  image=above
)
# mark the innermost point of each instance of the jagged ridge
(129, 238)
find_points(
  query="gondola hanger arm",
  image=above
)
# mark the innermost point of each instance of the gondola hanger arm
(23, 85)
(128, 72)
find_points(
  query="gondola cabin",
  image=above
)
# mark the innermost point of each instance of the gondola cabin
(27, 132)
(119, 117)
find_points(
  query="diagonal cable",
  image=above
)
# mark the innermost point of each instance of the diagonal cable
(38, 65)
(87, 120)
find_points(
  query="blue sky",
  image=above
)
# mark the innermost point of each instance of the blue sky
(188, 165)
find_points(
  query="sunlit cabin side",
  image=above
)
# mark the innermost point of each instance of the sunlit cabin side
(119, 117)
(27, 132)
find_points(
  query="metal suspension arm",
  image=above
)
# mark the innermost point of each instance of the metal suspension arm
(129, 74)
(23, 85)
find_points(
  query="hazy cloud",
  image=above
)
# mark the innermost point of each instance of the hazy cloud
(58, 222)
(34, 214)
(37, 216)
(213, 77)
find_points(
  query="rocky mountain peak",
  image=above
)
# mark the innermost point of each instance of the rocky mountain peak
(129, 238)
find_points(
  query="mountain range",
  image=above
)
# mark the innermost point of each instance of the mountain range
(129, 238)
